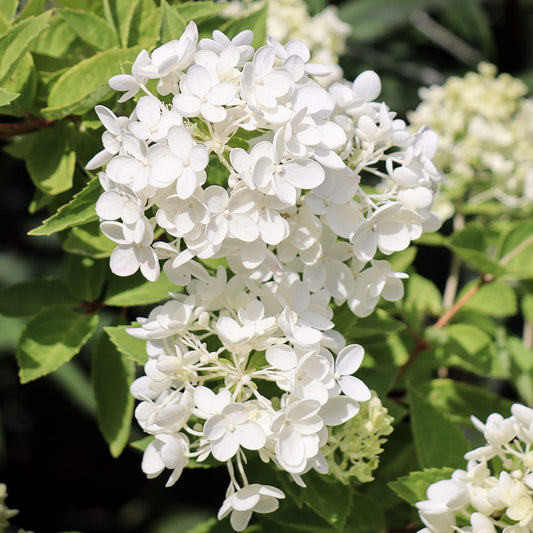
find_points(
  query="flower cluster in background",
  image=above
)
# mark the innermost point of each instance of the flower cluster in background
(495, 492)
(324, 33)
(245, 159)
(485, 126)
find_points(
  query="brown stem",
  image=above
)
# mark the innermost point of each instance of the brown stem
(422, 344)
(13, 129)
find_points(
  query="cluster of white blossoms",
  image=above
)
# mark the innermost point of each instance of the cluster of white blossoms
(495, 493)
(324, 33)
(485, 126)
(245, 359)
(353, 448)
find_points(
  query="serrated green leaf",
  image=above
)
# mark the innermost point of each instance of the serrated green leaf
(80, 210)
(23, 80)
(172, 24)
(255, 21)
(470, 339)
(7, 96)
(85, 277)
(55, 40)
(28, 298)
(517, 250)
(111, 375)
(50, 159)
(90, 28)
(412, 488)
(422, 296)
(88, 240)
(50, 339)
(71, 96)
(15, 43)
(9, 8)
(131, 347)
(136, 290)
(438, 442)
(496, 299)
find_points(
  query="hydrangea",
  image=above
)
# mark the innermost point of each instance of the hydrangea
(324, 33)
(245, 160)
(495, 492)
(353, 448)
(5, 513)
(484, 124)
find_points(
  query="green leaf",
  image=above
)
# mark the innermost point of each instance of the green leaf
(401, 261)
(55, 40)
(172, 24)
(422, 297)
(112, 375)
(255, 21)
(28, 298)
(71, 96)
(85, 277)
(31, 8)
(136, 290)
(459, 400)
(88, 240)
(374, 19)
(91, 29)
(438, 442)
(131, 347)
(331, 501)
(469, 339)
(8, 8)
(79, 210)
(23, 81)
(7, 96)
(198, 10)
(16, 42)
(496, 299)
(142, 444)
(470, 244)
(50, 339)
(50, 159)
(516, 252)
(527, 307)
(378, 322)
(412, 488)
(141, 24)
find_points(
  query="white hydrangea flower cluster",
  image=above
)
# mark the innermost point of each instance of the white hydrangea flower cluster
(353, 448)
(250, 360)
(484, 124)
(495, 492)
(324, 33)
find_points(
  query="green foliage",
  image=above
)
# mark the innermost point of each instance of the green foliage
(255, 21)
(136, 290)
(172, 23)
(126, 344)
(85, 277)
(112, 374)
(437, 440)
(412, 488)
(50, 339)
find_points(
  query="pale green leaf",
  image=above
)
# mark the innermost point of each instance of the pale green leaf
(422, 296)
(84, 85)
(55, 40)
(527, 307)
(85, 277)
(112, 375)
(136, 290)
(16, 42)
(401, 261)
(470, 339)
(91, 29)
(88, 240)
(23, 80)
(412, 488)
(172, 24)
(255, 21)
(50, 339)
(141, 24)
(79, 210)
(495, 299)
(7, 96)
(438, 441)
(8, 8)
(28, 298)
(50, 159)
(131, 347)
